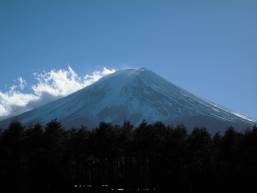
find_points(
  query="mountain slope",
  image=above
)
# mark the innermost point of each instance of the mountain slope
(134, 95)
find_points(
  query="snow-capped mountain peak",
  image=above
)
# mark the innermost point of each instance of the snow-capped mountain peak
(135, 95)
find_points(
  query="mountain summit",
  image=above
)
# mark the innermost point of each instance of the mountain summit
(135, 95)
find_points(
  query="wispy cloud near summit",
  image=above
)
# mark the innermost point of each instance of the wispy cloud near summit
(49, 86)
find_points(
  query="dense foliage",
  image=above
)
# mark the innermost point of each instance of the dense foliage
(53, 159)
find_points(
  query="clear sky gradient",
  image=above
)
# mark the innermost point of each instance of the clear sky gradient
(206, 47)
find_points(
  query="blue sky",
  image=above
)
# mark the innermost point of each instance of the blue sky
(206, 47)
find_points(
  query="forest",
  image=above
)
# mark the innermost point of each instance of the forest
(111, 158)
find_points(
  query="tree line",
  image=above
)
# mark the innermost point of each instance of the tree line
(154, 157)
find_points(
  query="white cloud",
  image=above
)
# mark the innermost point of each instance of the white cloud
(50, 86)
(22, 83)
(3, 111)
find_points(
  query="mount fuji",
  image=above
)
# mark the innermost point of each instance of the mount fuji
(134, 95)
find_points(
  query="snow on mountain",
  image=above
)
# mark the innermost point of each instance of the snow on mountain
(135, 95)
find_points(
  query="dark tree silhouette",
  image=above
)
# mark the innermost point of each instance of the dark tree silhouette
(152, 157)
